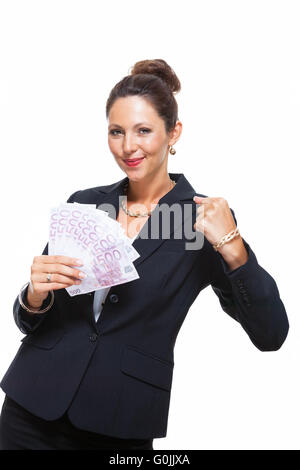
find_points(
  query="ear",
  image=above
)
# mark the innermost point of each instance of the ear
(175, 133)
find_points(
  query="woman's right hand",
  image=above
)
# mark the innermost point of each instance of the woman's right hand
(62, 276)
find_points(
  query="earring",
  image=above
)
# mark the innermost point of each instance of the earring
(172, 150)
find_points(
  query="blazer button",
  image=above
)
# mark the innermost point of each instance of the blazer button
(93, 337)
(114, 298)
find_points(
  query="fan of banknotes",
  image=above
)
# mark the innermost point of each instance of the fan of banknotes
(82, 231)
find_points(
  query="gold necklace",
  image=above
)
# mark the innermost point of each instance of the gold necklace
(134, 214)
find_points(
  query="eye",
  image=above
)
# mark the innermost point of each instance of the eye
(143, 129)
(114, 130)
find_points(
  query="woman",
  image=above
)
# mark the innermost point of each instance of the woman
(95, 371)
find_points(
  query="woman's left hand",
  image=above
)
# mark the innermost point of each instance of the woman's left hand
(214, 218)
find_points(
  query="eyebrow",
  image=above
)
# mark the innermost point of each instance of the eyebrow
(136, 125)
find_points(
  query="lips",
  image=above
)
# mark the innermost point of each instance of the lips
(132, 160)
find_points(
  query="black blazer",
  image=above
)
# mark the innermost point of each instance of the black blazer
(115, 375)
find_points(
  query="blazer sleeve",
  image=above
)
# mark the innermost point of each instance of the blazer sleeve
(250, 295)
(25, 321)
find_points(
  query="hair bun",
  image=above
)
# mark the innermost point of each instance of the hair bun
(161, 69)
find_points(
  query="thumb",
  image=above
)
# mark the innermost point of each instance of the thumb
(198, 199)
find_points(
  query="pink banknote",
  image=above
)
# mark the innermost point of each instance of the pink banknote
(84, 232)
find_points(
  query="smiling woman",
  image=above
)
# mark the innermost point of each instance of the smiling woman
(96, 372)
(143, 126)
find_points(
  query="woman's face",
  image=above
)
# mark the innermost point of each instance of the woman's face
(135, 130)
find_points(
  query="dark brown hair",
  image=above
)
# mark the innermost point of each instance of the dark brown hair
(155, 81)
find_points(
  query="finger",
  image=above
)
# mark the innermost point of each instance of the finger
(197, 227)
(46, 287)
(58, 269)
(42, 277)
(199, 200)
(201, 208)
(61, 259)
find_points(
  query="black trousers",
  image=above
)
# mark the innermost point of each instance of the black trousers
(21, 430)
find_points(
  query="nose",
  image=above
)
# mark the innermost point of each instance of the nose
(129, 144)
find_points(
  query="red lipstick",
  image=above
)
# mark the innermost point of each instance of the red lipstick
(134, 161)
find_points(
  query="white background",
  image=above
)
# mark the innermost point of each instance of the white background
(238, 63)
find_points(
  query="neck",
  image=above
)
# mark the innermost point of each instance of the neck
(149, 190)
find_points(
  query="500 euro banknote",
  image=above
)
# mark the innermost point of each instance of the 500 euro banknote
(84, 232)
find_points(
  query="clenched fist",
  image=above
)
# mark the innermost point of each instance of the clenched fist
(214, 218)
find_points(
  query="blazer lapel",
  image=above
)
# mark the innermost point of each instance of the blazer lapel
(145, 245)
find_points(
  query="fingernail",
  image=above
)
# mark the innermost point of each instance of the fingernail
(77, 282)
(82, 275)
(79, 261)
